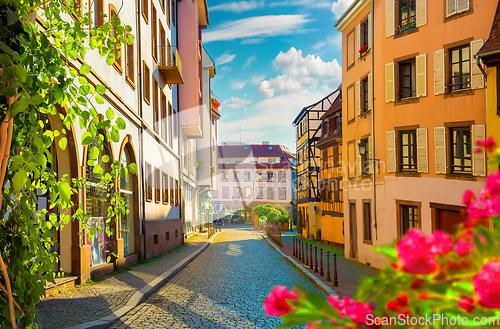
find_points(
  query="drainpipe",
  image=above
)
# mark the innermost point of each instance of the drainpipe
(179, 138)
(373, 125)
(478, 63)
(141, 132)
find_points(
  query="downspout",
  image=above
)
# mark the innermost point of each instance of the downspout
(373, 126)
(179, 136)
(141, 133)
(478, 63)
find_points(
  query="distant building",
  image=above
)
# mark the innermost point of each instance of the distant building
(252, 175)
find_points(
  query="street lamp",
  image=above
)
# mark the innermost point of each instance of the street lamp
(362, 152)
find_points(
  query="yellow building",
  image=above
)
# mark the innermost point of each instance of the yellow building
(490, 55)
(307, 124)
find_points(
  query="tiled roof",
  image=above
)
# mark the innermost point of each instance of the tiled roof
(334, 108)
(281, 165)
(244, 151)
(493, 42)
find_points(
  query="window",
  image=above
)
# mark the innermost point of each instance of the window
(282, 176)
(335, 156)
(364, 34)
(225, 192)
(149, 183)
(118, 58)
(165, 188)
(456, 6)
(407, 15)
(364, 95)
(270, 192)
(407, 75)
(270, 176)
(409, 218)
(164, 117)
(259, 176)
(176, 192)
(259, 193)
(172, 191)
(351, 103)
(225, 176)
(365, 162)
(129, 62)
(460, 68)
(461, 150)
(97, 12)
(351, 48)
(163, 57)
(408, 151)
(271, 160)
(173, 11)
(238, 161)
(145, 10)
(170, 124)
(282, 193)
(236, 192)
(247, 176)
(167, 236)
(167, 8)
(146, 87)
(325, 159)
(248, 192)
(367, 221)
(156, 113)
(154, 37)
(236, 175)
(157, 186)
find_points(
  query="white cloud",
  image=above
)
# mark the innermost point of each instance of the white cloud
(304, 3)
(257, 26)
(251, 41)
(236, 102)
(224, 58)
(257, 78)
(249, 61)
(237, 84)
(340, 6)
(300, 73)
(239, 6)
(332, 40)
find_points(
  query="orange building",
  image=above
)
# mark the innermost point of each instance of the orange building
(330, 146)
(428, 111)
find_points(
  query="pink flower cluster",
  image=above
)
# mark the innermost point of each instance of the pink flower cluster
(356, 311)
(489, 144)
(276, 304)
(488, 196)
(417, 251)
(487, 284)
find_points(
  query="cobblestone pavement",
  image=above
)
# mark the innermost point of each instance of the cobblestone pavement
(91, 302)
(225, 287)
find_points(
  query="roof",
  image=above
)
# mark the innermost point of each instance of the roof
(256, 150)
(334, 108)
(281, 165)
(353, 4)
(492, 45)
(307, 108)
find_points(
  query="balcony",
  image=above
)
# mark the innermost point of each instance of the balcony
(190, 121)
(170, 65)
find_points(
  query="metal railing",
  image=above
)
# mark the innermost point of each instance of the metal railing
(169, 56)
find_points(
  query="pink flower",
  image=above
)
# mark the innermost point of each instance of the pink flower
(466, 304)
(487, 284)
(468, 197)
(475, 211)
(493, 183)
(463, 247)
(276, 304)
(416, 250)
(338, 304)
(356, 311)
(489, 144)
(490, 201)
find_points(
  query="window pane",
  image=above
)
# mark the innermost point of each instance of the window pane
(465, 54)
(455, 56)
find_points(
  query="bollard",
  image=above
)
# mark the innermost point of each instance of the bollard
(328, 266)
(321, 261)
(303, 255)
(300, 252)
(335, 281)
(315, 258)
(311, 265)
(307, 256)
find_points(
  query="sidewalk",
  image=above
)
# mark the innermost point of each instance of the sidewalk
(350, 273)
(95, 304)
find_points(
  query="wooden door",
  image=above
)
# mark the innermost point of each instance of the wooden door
(353, 232)
(447, 220)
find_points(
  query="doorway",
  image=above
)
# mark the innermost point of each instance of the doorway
(353, 232)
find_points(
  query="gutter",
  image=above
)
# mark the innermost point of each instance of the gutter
(375, 224)
(478, 63)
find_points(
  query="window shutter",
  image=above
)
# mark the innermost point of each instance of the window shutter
(440, 149)
(370, 155)
(462, 5)
(478, 153)
(421, 63)
(389, 18)
(358, 39)
(477, 78)
(370, 26)
(390, 140)
(421, 12)
(389, 82)
(422, 157)
(370, 92)
(358, 97)
(439, 87)
(358, 162)
(451, 7)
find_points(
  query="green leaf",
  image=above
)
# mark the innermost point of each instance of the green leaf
(8, 91)
(121, 123)
(123, 172)
(115, 135)
(73, 72)
(83, 80)
(98, 169)
(93, 230)
(105, 158)
(18, 106)
(87, 138)
(133, 168)
(37, 99)
(110, 114)
(4, 60)
(65, 191)
(85, 69)
(20, 72)
(6, 48)
(19, 180)
(99, 99)
(101, 89)
(94, 153)
(110, 59)
(63, 142)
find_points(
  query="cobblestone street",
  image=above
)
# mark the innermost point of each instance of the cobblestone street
(224, 287)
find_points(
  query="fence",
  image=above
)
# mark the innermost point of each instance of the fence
(274, 235)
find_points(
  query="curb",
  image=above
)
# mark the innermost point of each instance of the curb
(318, 283)
(141, 295)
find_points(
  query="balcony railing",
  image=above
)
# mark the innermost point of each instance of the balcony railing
(170, 65)
(408, 18)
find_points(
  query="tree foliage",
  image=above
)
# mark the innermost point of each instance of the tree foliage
(44, 77)
(274, 215)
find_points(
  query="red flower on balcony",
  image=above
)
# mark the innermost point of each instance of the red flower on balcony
(215, 104)
(362, 50)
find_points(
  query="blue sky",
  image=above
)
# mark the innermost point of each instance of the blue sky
(273, 58)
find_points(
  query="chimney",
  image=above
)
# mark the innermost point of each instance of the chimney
(265, 143)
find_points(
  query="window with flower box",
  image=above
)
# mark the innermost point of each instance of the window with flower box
(407, 15)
